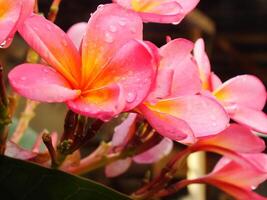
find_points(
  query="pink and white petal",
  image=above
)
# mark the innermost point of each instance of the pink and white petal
(203, 62)
(244, 176)
(76, 33)
(102, 103)
(257, 120)
(134, 68)
(244, 90)
(9, 17)
(156, 153)
(41, 83)
(166, 12)
(50, 42)
(168, 126)
(124, 131)
(124, 3)
(118, 167)
(109, 28)
(188, 5)
(244, 140)
(215, 81)
(204, 115)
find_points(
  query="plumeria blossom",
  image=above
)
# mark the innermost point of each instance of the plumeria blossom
(160, 11)
(234, 178)
(123, 133)
(243, 97)
(12, 15)
(174, 107)
(242, 168)
(113, 73)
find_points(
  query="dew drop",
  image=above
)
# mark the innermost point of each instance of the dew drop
(113, 28)
(122, 22)
(45, 70)
(6, 43)
(23, 78)
(130, 97)
(109, 38)
(49, 28)
(100, 7)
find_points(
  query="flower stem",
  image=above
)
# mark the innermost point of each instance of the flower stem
(24, 120)
(52, 15)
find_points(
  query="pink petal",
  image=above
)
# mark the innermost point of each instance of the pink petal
(202, 62)
(14, 151)
(176, 55)
(41, 83)
(118, 167)
(204, 115)
(76, 33)
(51, 43)
(162, 86)
(237, 138)
(155, 153)
(235, 191)
(102, 103)
(124, 131)
(215, 81)
(133, 67)
(168, 126)
(188, 5)
(109, 28)
(244, 90)
(167, 12)
(255, 119)
(244, 176)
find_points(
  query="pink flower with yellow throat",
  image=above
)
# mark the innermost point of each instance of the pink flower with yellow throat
(113, 71)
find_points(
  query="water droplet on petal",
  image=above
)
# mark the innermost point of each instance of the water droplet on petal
(23, 78)
(122, 22)
(133, 30)
(100, 7)
(6, 43)
(45, 70)
(130, 97)
(49, 28)
(113, 28)
(109, 38)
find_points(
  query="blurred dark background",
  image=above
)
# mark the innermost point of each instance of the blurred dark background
(235, 32)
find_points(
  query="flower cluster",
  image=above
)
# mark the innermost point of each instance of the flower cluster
(104, 67)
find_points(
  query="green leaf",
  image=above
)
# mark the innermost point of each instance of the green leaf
(21, 180)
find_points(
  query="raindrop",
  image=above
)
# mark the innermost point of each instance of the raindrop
(45, 70)
(122, 22)
(23, 78)
(100, 7)
(49, 28)
(6, 43)
(113, 28)
(131, 97)
(109, 38)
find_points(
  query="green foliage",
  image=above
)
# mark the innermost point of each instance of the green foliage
(21, 180)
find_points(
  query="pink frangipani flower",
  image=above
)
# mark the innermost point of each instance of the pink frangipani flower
(243, 97)
(160, 11)
(113, 73)
(234, 178)
(174, 107)
(12, 15)
(123, 133)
